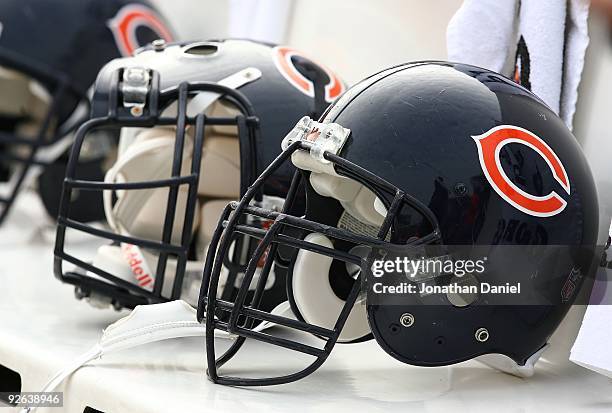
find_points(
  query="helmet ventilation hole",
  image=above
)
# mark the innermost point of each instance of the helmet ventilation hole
(202, 49)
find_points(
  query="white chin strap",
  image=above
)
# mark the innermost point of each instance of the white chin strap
(145, 324)
(314, 297)
(148, 324)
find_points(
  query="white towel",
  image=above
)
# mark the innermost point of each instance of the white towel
(482, 33)
(592, 346)
(540, 45)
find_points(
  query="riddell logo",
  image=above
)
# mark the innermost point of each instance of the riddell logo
(138, 265)
(489, 146)
(572, 281)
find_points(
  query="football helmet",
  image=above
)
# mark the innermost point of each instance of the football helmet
(50, 54)
(199, 122)
(430, 161)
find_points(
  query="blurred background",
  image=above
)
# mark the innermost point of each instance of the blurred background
(360, 37)
(356, 37)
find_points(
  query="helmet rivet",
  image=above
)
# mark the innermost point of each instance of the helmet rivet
(460, 189)
(136, 111)
(482, 335)
(159, 45)
(406, 320)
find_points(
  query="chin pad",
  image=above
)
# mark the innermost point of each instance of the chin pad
(316, 301)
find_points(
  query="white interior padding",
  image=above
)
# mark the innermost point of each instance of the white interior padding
(146, 154)
(127, 137)
(141, 213)
(303, 160)
(363, 207)
(220, 167)
(22, 96)
(380, 207)
(209, 217)
(314, 297)
(220, 172)
(16, 94)
(221, 109)
(340, 188)
(356, 199)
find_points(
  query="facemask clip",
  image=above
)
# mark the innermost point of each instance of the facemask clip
(135, 88)
(322, 137)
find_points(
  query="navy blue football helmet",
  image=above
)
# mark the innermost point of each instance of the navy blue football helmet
(448, 166)
(199, 122)
(50, 54)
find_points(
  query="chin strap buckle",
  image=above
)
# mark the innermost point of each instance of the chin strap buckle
(135, 88)
(321, 137)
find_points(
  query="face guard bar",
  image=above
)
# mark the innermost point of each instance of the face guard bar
(62, 88)
(238, 317)
(121, 292)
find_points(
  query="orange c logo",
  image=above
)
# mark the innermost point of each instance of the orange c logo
(128, 19)
(282, 60)
(489, 146)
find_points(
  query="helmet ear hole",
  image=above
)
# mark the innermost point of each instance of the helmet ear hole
(315, 299)
(343, 275)
(340, 279)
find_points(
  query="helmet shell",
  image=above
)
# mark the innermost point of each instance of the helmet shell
(418, 126)
(71, 40)
(277, 102)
